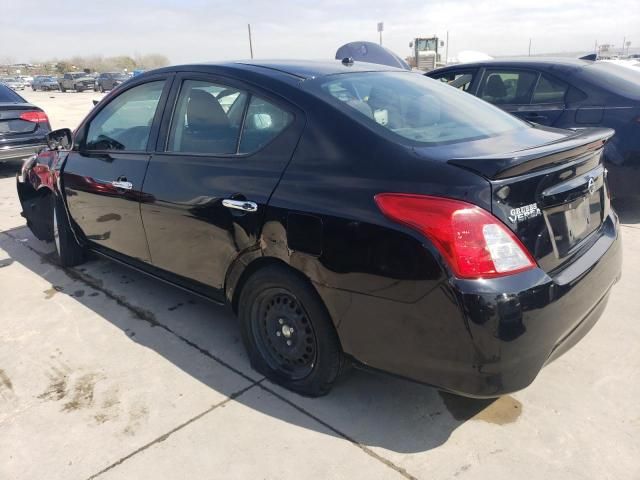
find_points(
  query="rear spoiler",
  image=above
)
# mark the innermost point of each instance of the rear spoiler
(520, 162)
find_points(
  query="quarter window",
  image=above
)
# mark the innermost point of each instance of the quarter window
(264, 121)
(125, 123)
(508, 87)
(207, 119)
(549, 90)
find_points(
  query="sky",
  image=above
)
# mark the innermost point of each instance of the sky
(198, 30)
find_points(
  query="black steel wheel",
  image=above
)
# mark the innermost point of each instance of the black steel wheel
(283, 333)
(288, 332)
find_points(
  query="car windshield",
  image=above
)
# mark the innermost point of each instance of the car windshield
(415, 107)
(9, 96)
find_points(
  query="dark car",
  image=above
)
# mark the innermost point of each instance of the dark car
(346, 212)
(565, 93)
(23, 126)
(45, 83)
(77, 81)
(109, 81)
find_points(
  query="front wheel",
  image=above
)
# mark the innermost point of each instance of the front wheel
(69, 252)
(62, 89)
(288, 332)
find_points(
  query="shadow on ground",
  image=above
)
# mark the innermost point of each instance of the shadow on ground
(368, 408)
(628, 209)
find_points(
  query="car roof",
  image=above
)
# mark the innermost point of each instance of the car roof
(302, 69)
(523, 62)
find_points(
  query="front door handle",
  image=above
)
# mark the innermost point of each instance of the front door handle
(244, 205)
(122, 184)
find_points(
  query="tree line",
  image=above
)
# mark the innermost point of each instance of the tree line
(98, 63)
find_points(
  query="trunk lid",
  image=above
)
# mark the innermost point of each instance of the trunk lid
(10, 122)
(553, 196)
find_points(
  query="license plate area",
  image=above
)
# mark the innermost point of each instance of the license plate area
(572, 223)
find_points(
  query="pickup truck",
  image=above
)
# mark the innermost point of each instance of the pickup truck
(77, 81)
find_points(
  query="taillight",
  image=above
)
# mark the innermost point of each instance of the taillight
(34, 116)
(473, 242)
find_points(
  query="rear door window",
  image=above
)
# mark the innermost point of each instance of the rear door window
(503, 87)
(549, 90)
(207, 119)
(125, 122)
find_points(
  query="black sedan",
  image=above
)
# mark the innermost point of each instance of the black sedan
(565, 93)
(346, 212)
(23, 126)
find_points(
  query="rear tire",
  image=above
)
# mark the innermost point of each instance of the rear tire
(101, 88)
(69, 252)
(288, 333)
(62, 89)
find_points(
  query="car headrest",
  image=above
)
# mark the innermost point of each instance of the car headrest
(204, 111)
(495, 87)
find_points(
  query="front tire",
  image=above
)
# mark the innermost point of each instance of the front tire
(69, 252)
(288, 333)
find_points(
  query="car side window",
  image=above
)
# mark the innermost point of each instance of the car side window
(457, 79)
(549, 90)
(508, 87)
(125, 122)
(207, 118)
(263, 122)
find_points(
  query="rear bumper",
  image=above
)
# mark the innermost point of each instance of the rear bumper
(18, 153)
(483, 338)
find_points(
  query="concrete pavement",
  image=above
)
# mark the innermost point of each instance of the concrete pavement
(105, 373)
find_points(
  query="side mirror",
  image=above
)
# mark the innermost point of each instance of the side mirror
(61, 139)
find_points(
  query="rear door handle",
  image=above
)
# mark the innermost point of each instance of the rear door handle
(244, 205)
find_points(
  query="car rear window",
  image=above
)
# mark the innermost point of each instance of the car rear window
(616, 78)
(8, 95)
(415, 107)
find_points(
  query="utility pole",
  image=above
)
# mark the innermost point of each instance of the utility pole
(624, 40)
(250, 43)
(529, 47)
(380, 28)
(446, 50)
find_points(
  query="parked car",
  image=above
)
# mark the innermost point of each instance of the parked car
(108, 81)
(76, 81)
(565, 93)
(23, 126)
(45, 83)
(346, 212)
(12, 83)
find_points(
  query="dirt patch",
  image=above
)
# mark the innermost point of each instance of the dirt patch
(82, 393)
(57, 388)
(497, 411)
(50, 292)
(5, 381)
(137, 417)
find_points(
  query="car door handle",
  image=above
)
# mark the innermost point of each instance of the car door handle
(244, 205)
(122, 184)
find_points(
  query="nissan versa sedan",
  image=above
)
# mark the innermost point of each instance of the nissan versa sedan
(347, 213)
(565, 93)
